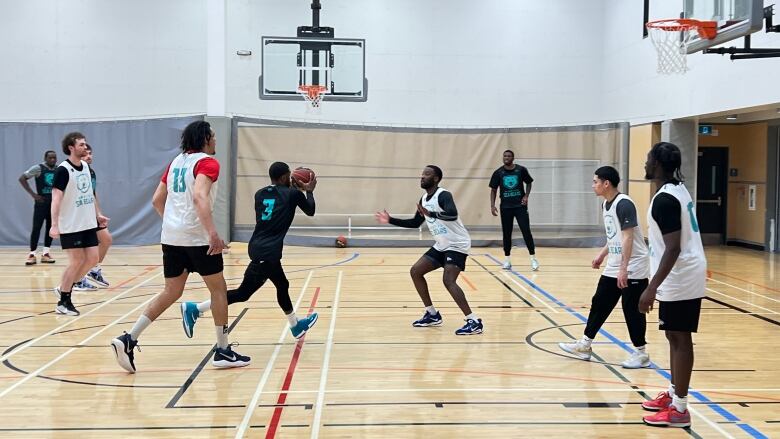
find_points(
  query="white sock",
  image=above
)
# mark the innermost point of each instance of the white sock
(32, 253)
(533, 257)
(508, 260)
(671, 389)
(204, 306)
(96, 267)
(292, 318)
(140, 325)
(472, 316)
(222, 336)
(680, 403)
(46, 250)
(431, 310)
(640, 348)
(586, 341)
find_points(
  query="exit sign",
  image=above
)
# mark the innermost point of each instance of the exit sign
(705, 130)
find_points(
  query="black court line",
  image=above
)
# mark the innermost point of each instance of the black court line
(506, 285)
(409, 424)
(201, 365)
(198, 427)
(744, 311)
(234, 406)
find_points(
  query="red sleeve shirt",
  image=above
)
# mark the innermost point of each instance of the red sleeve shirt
(207, 166)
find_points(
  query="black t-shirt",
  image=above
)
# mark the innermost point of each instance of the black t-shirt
(667, 211)
(626, 213)
(275, 210)
(510, 185)
(62, 175)
(44, 182)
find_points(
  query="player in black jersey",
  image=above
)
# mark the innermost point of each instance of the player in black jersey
(43, 173)
(274, 209)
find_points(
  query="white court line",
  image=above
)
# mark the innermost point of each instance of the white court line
(747, 291)
(82, 342)
(747, 303)
(315, 426)
(72, 321)
(715, 426)
(250, 408)
(522, 389)
(529, 292)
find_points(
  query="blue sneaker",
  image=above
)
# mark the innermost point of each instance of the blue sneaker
(189, 314)
(96, 276)
(428, 319)
(470, 328)
(84, 285)
(304, 325)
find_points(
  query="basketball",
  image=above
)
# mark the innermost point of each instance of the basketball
(302, 175)
(341, 242)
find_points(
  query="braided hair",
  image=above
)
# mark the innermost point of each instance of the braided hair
(668, 156)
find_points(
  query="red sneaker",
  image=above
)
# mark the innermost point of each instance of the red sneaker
(661, 402)
(669, 418)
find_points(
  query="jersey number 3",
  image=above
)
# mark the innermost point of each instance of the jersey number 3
(178, 179)
(269, 209)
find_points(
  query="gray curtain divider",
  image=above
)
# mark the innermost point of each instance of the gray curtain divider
(129, 158)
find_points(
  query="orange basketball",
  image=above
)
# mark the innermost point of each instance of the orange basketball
(341, 242)
(302, 175)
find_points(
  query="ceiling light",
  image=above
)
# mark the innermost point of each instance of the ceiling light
(731, 117)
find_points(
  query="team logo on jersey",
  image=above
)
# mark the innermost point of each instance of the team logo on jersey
(48, 178)
(82, 182)
(609, 226)
(510, 181)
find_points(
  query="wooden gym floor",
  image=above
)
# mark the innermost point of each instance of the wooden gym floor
(364, 371)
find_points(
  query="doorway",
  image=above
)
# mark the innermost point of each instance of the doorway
(711, 192)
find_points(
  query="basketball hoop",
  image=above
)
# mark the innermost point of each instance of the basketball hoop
(312, 94)
(671, 38)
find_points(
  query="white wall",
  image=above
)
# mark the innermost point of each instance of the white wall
(633, 91)
(438, 62)
(101, 59)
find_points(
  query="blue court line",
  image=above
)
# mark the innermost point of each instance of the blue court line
(714, 406)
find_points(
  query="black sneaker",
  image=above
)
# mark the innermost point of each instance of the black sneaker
(428, 319)
(65, 306)
(225, 358)
(123, 349)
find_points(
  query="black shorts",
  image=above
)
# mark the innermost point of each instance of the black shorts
(449, 257)
(176, 259)
(82, 239)
(680, 315)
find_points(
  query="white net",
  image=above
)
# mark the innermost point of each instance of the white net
(671, 39)
(312, 94)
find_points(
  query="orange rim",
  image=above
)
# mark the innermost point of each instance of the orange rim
(706, 29)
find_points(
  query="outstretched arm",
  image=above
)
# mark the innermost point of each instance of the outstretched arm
(384, 218)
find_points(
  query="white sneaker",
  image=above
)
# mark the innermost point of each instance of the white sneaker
(578, 349)
(534, 263)
(507, 265)
(637, 360)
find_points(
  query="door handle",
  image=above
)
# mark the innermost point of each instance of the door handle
(719, 201)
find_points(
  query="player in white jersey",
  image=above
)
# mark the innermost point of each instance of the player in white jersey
(190, 243)
(437, 209)
(75, 215)
(679, 275)
(625, 275)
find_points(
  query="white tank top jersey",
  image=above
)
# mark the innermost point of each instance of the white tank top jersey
(77, 209)
(639, 264)
(688, 277)
(449, 235)
(181, 225)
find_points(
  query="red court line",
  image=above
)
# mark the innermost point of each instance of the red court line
(473, 288)
(709, 274)
(277, 416)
